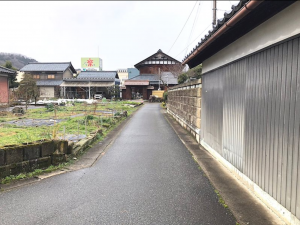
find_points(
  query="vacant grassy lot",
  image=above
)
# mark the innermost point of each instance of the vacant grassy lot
(66, 122)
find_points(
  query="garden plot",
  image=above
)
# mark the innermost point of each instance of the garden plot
(33, 122)
(62, 122)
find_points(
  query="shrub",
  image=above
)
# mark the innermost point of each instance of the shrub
(49, 107)
(89, 117)
(165, 96)
(182, 78)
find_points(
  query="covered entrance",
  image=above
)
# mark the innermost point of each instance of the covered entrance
(85, 89)
(137, 89)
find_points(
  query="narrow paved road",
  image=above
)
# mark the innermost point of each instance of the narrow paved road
(146, 177)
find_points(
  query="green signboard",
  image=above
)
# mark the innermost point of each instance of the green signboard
(90, 63)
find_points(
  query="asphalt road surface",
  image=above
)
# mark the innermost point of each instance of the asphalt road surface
(146, 177)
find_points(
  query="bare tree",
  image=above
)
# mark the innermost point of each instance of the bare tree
(175, 69)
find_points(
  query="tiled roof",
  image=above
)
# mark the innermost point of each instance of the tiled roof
(48, 82)
(158, 56)
(59, 67)
(169, 78)
(241, 19)
(6, 71)
(166, 77)
(98, 75)
(150, 77)
(220, 22)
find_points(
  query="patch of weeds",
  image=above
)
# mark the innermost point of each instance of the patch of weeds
(98, 136)
(35, 173)
(221, 200)
(7, 179)
(20, 176)
(11, 178)
(49, 169)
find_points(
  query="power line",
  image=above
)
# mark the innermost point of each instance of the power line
(194, 39)
(196, 17)
(182, 28)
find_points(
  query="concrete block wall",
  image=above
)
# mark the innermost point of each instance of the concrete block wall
(184, 104)
(15, 159)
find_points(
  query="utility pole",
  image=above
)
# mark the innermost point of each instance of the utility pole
(159, 79)
(214, 12)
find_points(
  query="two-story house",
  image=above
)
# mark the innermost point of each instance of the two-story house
(49, 76)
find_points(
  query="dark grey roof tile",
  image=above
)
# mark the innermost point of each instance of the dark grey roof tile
(98, 75)
(59, 67)
(7, 71)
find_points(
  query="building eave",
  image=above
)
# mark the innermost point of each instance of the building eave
(246, 17)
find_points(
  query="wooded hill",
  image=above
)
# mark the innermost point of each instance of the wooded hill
(17, 60)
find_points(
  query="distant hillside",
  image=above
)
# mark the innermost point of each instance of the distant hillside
(17, 60)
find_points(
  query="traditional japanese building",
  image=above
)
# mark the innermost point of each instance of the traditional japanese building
(157, 72)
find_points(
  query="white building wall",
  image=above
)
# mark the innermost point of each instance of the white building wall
(46, 92)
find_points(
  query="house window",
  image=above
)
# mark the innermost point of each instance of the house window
(51, 76)
(36, 76)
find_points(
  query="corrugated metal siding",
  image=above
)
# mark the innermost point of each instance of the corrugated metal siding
(212, 102)
(251, 116)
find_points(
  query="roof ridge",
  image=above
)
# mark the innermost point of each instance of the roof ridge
(49, 63)
(98, 71)
(158, 52)
(8, 69)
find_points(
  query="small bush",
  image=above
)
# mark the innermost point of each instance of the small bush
(49, 107)
(89, 117)
(165, 96)
(105, 120)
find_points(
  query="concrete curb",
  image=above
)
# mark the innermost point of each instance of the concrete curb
(244, 205)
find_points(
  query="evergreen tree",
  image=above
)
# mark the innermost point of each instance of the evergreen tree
(12, 80)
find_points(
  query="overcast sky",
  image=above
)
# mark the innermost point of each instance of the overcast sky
(124, 32)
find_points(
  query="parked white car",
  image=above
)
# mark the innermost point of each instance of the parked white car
(98, 95)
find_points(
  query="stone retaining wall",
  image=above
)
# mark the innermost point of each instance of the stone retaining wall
(15, 159)
(184, 104)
